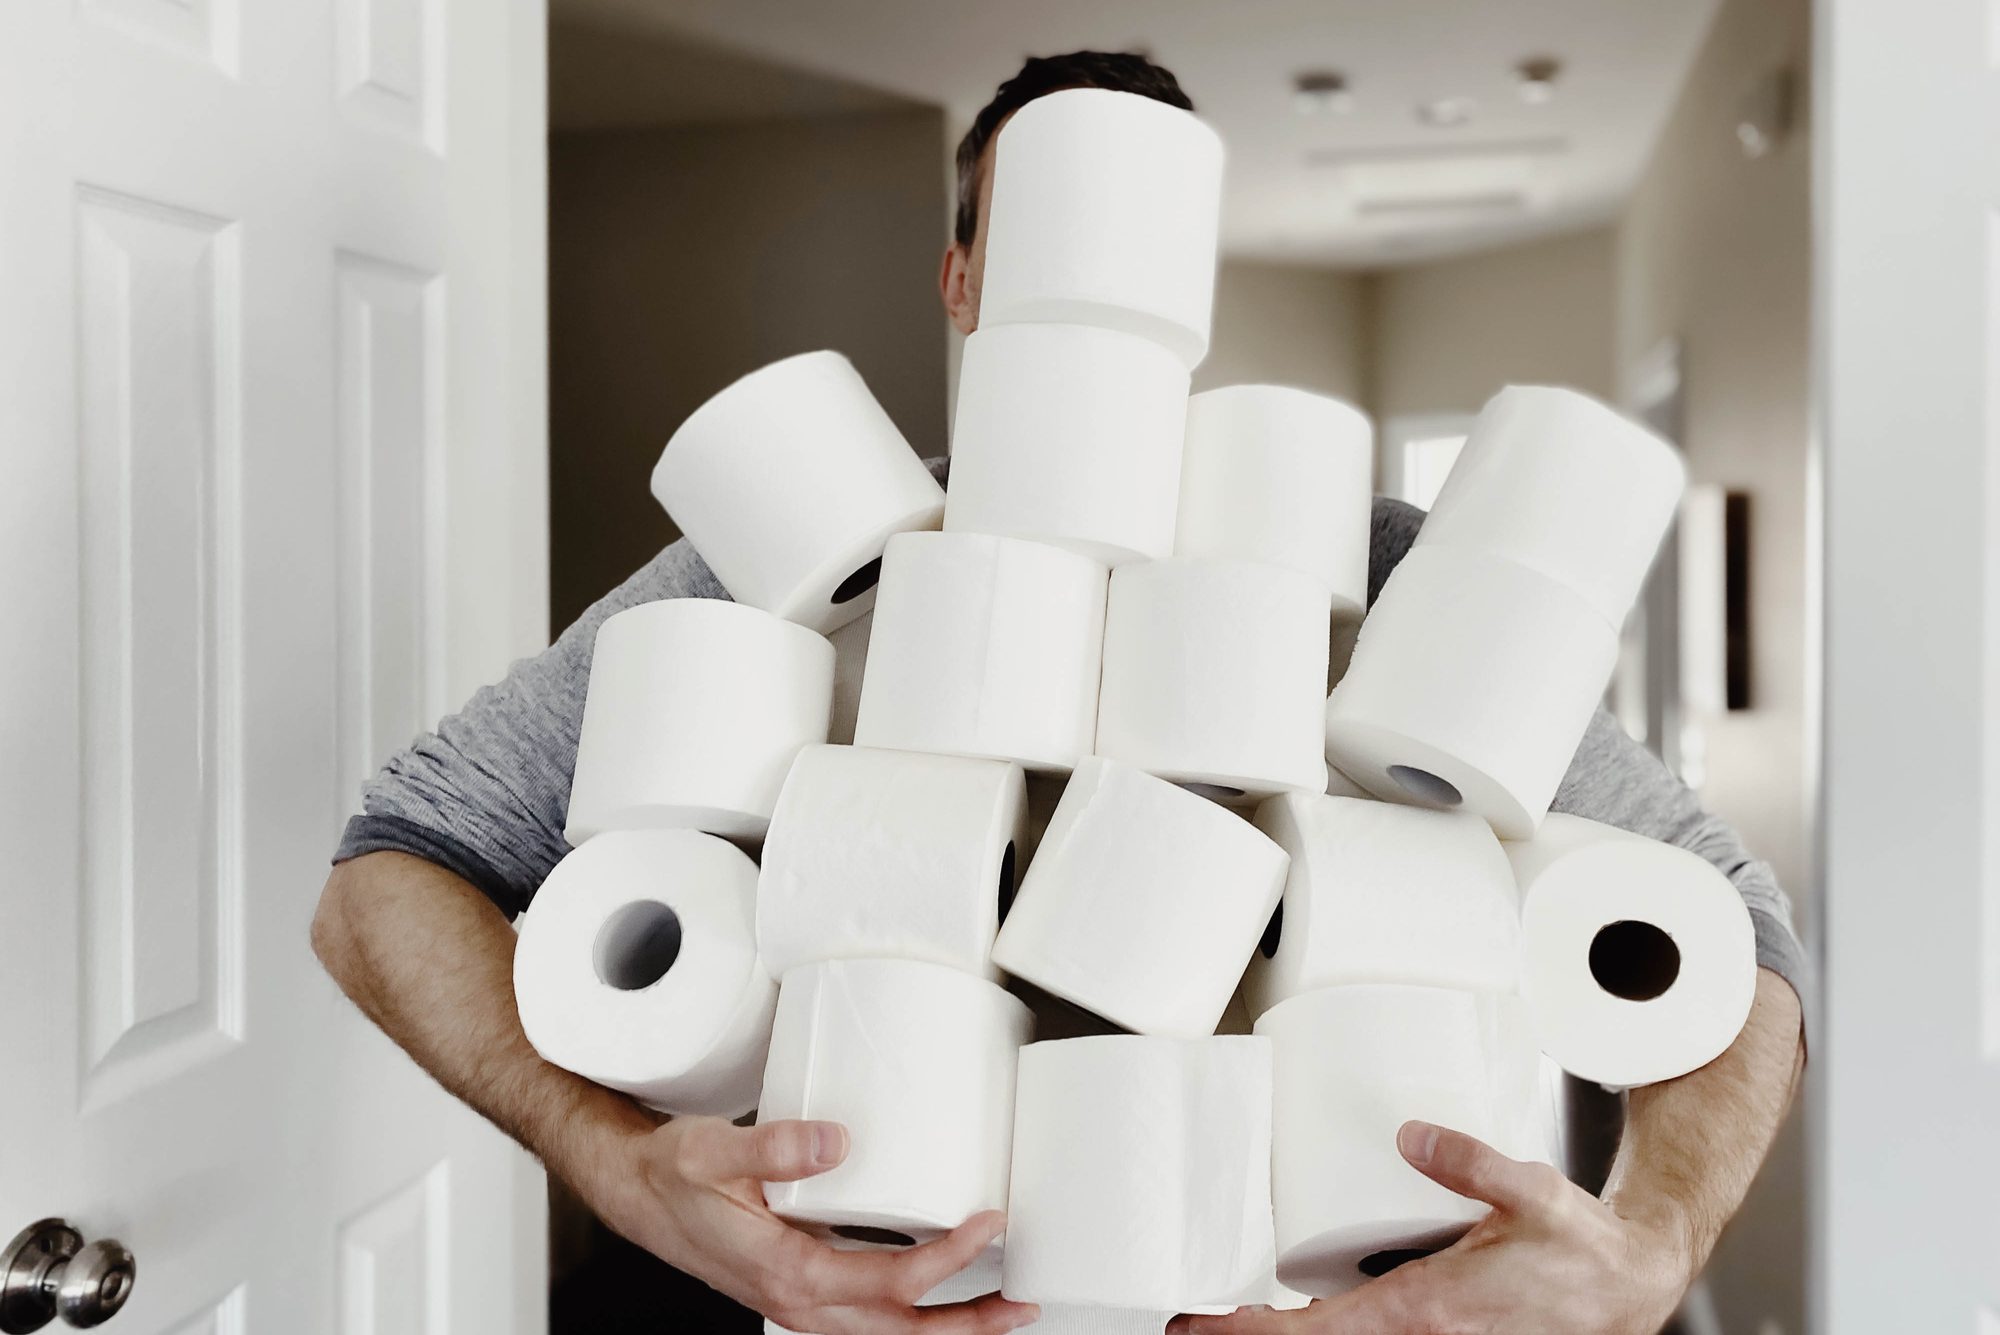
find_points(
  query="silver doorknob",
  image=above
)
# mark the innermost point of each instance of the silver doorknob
(47, 1271)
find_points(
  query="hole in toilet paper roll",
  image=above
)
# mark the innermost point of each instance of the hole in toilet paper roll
(1214, 792)
(858, 583)
(1272, 931)
(885, 1237)
(637, 945)
(1007, 886)
(1634, 960)
(1426, 786)
(1377, 1264)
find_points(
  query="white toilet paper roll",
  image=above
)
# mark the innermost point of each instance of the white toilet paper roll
(890, 855)
(789, 481)
(1281, 476)
(1142, 1174)
(1350, 1066)
(1071, 435)
(1638, 959)
(985, 647)
(695, 709)
(1379, 893)
(917, 1062)
(1214, 675)
(1560, 483)
(1471, 686)
(1105, 211)
(637, 968)
(1142, 903)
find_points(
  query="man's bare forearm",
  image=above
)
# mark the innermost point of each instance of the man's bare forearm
(431, 961)
(1692, 1146)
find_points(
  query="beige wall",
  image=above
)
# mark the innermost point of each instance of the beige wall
(681, 258)
(1715, 250)
(1448, 335)
(1288, 325)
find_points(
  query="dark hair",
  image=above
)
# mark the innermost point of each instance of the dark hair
(1119, 71)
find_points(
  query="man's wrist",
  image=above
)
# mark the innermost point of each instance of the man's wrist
(1668, 1232)
(590, 1145)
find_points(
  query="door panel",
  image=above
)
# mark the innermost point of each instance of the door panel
(237, 574)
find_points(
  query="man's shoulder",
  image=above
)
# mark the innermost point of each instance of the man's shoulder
(1392, 528)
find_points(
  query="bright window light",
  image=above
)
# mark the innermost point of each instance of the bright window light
(1426, 462)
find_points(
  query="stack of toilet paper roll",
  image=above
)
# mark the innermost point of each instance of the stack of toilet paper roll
(637, 965)
(1388, 984)
(884, 880)
(1132, 593)
(1477, 671)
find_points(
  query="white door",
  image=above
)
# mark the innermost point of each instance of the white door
(1907, 1122)
(271, 421)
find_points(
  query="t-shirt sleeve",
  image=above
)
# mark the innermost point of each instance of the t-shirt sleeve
(1615, 780)
(485, 794)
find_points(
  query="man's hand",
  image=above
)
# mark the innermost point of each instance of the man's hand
(1553, 1260)
(691, 1192)
(1549, 1260)
(430, 960)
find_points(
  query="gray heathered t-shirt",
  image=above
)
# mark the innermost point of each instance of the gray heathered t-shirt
(485, 795)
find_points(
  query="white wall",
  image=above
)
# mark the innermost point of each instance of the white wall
(1715, 250)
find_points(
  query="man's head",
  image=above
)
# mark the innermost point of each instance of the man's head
(965, 259)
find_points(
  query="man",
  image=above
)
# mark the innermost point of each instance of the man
(459, 829)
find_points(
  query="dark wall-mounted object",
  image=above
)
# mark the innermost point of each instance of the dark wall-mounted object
(1736, 598)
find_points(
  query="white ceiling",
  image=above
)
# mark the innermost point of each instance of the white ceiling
(1369, 187)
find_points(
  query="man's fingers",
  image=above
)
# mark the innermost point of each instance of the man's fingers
(771, 1152)
(1473, 1168)
(877, 1291)
(1392, 1305)
(829, 1276)
(1250, 1321)
(913, 1273)
(990, 1315)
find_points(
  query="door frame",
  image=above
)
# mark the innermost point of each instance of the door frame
(1905, 1232)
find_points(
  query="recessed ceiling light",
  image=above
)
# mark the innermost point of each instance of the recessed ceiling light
(1537, 76)
(1445, 111)
(1318, 92)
